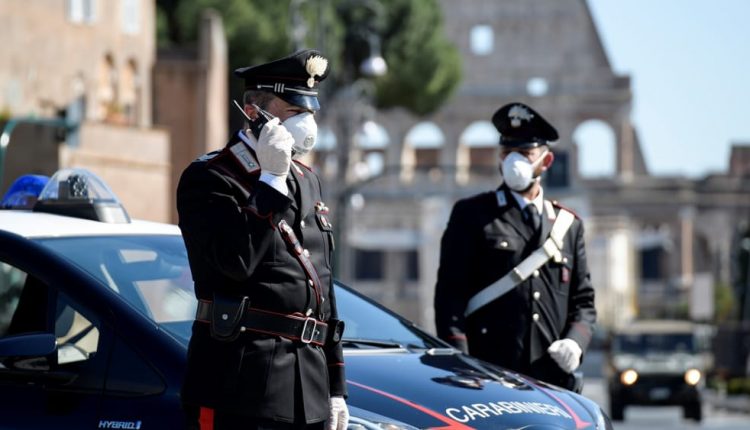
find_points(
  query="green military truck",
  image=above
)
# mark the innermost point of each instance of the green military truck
(657, 363)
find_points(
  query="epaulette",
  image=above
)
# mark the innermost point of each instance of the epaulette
(303, 165)
(559, 205)
(501, 200)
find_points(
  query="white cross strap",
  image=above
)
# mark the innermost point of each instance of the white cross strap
(550, 249)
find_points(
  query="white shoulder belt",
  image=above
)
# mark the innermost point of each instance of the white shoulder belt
(550, 249)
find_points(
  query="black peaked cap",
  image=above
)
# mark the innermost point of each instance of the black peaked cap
(294, 78)
(522, 127)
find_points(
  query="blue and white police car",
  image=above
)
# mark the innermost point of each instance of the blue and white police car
(95, 316)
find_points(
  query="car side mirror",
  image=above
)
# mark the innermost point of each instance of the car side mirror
(28, 345)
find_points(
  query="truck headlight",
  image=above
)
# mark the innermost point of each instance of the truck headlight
(693, 376)
(629, 377)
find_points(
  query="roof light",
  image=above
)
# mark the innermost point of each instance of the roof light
(23, 192)
(80, 193)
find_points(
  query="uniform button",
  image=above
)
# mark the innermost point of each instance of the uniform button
(536, 273)
(306, 253)
(302, 224)
(484, 330)
(310, 281)
(565, 259)
(454, 318)
(535, 317)
(224, 317)
(537, 294)
(504, 244)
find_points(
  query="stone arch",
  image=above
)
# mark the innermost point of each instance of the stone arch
(106, 88)
(421, 149)
(129, 91)
(476, 151)
(370, 142)
(596, 149)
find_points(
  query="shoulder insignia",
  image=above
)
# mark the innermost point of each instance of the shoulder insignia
(549, 209)
(560, 206)
(298, 170)
(244, 157)
(303, 165)
(501, 201)
(208, 156)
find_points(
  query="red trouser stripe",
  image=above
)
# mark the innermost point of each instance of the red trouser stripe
(206, 419)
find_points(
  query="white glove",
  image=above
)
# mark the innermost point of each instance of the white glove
(338, 419)
(274, 149)
(566, 353)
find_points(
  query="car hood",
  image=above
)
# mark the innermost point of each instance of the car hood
(459, 392)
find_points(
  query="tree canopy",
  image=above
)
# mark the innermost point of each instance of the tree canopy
(423, 65)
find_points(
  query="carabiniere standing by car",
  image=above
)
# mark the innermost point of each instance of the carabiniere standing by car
(265, 349)
(513, 285)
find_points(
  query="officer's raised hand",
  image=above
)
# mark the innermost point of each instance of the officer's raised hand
(338, 419)
(274, 149)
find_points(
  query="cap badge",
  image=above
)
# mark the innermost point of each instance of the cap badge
(315, 66)
(517, 114)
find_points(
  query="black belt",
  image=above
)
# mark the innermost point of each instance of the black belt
(295, 327)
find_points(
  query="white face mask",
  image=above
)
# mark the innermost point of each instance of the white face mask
(304, 130)
(518, 171)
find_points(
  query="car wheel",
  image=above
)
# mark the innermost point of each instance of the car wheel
(616, 409)
(692, 411)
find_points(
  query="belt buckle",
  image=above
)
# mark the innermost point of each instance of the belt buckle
(304, 330)
(516, 275)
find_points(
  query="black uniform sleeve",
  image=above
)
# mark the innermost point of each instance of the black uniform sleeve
(335, 356)
(581, 310)
(456, 253)
(229, 235)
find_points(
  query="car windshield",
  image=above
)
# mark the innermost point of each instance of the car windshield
(654, 343)
(152, 274)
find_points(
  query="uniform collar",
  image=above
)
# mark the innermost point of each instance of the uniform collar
(523, 201)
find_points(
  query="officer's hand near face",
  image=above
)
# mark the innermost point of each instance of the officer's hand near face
(274, 149)
(338, 419)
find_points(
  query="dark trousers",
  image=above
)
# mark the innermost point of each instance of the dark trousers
(200, 418)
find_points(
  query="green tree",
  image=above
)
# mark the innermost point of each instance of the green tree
(724, 299)
(423, 66)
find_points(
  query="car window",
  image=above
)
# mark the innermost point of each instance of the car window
(77, 337)
(12, 283)
(27, 306)
(367, 321)
(150, 272)
(654, 343)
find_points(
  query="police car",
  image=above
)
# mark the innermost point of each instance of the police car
(95, 317)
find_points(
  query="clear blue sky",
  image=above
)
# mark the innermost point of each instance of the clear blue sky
(689, 63)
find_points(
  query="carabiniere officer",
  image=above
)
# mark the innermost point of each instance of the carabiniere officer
(265, 349)
(513, 285)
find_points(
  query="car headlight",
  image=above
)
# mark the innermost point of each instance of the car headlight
(629, 377)
(693, 376)
(356, 423)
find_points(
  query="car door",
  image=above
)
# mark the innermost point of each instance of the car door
(41, 389)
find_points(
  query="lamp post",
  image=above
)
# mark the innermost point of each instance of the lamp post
(355, 97)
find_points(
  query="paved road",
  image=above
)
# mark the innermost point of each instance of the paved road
(665, 418)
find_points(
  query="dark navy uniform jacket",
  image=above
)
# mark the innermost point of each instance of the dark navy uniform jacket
(485, 238)
(228, 222)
